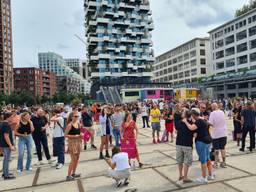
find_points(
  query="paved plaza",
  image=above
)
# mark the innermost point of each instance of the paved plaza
(160, 172)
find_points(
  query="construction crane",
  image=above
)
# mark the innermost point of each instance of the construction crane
(80, 39)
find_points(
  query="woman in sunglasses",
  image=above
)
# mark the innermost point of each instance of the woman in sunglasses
(74, 136)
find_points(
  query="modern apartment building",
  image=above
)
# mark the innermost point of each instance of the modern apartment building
(38, 82)
(6, 54)
(233, 45)
(75, 64)
(119, 39)
(183, 64)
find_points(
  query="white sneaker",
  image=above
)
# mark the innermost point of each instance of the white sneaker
(50, 161)
(202, 180)
(19, 171)
(59, 166)
(30, 169)
(211, 178)
(39, 163)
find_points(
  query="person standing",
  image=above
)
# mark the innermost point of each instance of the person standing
(39, 135)
(168, 117)
(248, 125)
(144, 115)
(87, 123)
(237, 135)
(58, 138)
(155, 123)
(7, 144)
(117, 120)
(24, 133)
(73, 133)
(219, 134)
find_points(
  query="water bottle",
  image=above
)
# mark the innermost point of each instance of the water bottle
(133, 165)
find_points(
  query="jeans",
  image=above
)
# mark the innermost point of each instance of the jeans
(7, 155)
(145, 121)
(59, 148)
(203, 151)
(24, 141)
(41, 139)
(116, 133)
(252, 137)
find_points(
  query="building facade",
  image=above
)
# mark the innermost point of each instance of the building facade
(6, 53)
(38, 82)
(75, 64)
(68, 84)
(184, 64)
(233, 45)
(119, 39)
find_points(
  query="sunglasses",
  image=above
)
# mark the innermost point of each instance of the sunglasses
(76, 116)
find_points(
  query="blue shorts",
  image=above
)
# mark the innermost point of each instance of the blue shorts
(203, 151)
(156, 126)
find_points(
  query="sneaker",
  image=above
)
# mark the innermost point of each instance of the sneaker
(10, 177)
(181, 178)
(50, 161)
(39, 163)
(202, 180)
(30, 169)
(141, 165)
(118, 184)
(126, 182)
(19, 171)
(223, 165)
(94, 147)
(70, 178)
(215, 165)
(154, 141)
(158, 141)
(59, 166)
(76, 175)
(241, 149)
(187, 181)
(85, 147)
(211, 178)
(101, 156)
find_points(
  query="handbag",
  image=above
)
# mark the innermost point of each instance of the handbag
(87, 134)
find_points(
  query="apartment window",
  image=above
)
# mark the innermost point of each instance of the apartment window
(170, 78)
(230, 39)
(202, 43)
(219, 54)
(181, 75)
(253, 44)
(230, 51)
(243, 85)
(175, 76)
(203, 70)
(220, 65)
(193, 62)
(219, 43)
(202, 61)
(169, 62)
(193, 53)
(193, 72)
(252, 31)
(186, 56)
(241, 35)
(175, 68)
(242, 47)
(169, 70)
(202, 52)
(242, 60)
(220, 87)
(253, 57)
(230, 62)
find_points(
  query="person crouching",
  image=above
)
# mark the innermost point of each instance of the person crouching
(119, 167)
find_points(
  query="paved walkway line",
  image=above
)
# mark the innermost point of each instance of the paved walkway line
(80, 186)
(36, 176)
(230, 186)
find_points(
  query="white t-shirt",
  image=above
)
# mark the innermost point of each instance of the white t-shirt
(122, 161)
(219, 126)
(144, 111)
(57, 130)
(161, 105)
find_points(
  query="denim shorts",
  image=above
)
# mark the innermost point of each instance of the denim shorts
(156, 126)
(203, 151)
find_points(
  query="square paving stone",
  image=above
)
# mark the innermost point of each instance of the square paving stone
(194, 172)
(154, 147)
(146, 180)
(247, 184)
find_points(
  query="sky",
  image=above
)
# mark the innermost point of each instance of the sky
(51, 25)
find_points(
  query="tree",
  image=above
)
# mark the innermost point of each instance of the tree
(246, 8)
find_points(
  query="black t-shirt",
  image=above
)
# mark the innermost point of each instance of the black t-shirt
(202, 130)
(38, 123)
(24, 128)
(167, 116)
(87, 119)
(5, 128)
(249, 117)
(184, 134)
(205, 113)
(176, 118)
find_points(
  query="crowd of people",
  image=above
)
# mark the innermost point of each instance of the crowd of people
(193, 123)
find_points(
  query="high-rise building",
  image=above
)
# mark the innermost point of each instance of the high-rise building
(119, 40)
(184, 64)
(233, 45)
(6, 57)
(75, 64)
(38, 82)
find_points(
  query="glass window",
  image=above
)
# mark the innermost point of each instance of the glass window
(203, 70)
(219, 54)
(253, 57)
(203, 61)
(242, 47)
(202, 52)
(253, 44)
(252, 31)
(193, 53)
(242, 60)
(219, 43)
(241, 35)
(230, 51)
(230, 39)
(230, 62)
(220, 65)
(193, 62)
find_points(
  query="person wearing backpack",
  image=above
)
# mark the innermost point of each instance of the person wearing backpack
(58, 138)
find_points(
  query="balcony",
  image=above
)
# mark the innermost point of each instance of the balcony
(102, 20)
(92, 4)
(146, 41)
(151, 26)
(94, 57)
(93, 23)
(144, 8)
(104, 56)
(93, 39)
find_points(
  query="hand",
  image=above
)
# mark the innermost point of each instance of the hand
(184, 120)
(12, 148)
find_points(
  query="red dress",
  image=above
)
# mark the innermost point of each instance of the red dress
(129, 135)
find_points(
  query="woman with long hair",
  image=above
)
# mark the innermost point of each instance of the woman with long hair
(129, 131)
(23, 132)
(74, 136)
(105, 129)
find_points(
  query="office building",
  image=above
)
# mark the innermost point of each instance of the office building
(6, 53)
(75, 64)
(119, 40)
(183, 64)
(38, 82)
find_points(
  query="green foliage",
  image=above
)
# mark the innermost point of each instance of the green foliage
(246, 8)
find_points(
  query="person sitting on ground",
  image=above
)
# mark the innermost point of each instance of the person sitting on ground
(120, 168)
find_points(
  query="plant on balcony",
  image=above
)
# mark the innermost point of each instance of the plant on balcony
(246, 8)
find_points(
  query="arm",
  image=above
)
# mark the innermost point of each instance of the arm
(242, 121)
(111, 164)
(192, 127)
(7, 139)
